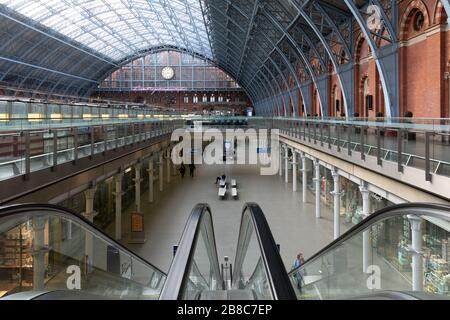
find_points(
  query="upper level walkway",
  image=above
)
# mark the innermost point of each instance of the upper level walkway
(415, 152)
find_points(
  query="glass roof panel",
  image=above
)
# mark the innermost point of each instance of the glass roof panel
(119, 28)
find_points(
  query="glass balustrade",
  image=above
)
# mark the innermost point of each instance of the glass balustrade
(48, 249)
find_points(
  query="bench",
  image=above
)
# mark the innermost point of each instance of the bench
(222, 192)
(233, 183)
(234, 193)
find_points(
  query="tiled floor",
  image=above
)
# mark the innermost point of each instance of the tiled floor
(293, 223)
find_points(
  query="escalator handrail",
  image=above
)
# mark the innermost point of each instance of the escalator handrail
(178, 275)
(16, 209)
(418, 209)
(276, 271)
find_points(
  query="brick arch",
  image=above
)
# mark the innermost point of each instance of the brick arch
(414, 5)
(440, 16)
(358, 46)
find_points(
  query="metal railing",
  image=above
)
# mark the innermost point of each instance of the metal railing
(26, 151)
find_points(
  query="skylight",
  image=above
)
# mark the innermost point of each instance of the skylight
(120, 28)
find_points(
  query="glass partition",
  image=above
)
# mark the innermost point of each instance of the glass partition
(250, 272)
(408, 252)
(47, 250)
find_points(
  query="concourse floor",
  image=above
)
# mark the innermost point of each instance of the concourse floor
(293, 223)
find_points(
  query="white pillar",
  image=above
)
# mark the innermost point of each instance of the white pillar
(38, 253)
(281, 160)
(294, 171)
(161, 178)
(416, 246)
(337, 203)
(118, 200)
(365, 193)
(317, 180)
(168, 165)
(137, 186)
(89, 214)
(304, 177)
(150, 180)
(286, 164)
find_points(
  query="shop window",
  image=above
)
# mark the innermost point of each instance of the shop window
(205, 98)
(186, 99)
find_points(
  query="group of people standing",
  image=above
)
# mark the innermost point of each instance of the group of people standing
(182, 169)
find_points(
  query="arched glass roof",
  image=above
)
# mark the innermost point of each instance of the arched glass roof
(120, 28)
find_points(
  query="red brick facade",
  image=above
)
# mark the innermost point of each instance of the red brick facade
(238, 101)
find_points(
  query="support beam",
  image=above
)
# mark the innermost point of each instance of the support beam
(294, 170)
(137, 185)
(365, 193)
(286, 164)
(168, 164)
(416, 248)
(161, 177)
(118, 203)
(89, 214)
(150, 180)
(317, 181)
(38, 253)
(337, 203)
(281, 160)
(304, 177)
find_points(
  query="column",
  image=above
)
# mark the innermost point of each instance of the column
(365, 193)
(286, 164)
(281, 160)
(150, 180)
(337, 203)
(317, 180)
(416, 246)
(38, 253)
(294, 170)
(168, 165)
(89, 214)
(137, 185)
(304, 177)
(118, 202)
(161, 178)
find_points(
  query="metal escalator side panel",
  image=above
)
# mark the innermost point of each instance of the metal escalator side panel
(49, 248)
(258, 264)
(400, 249)
(195, 266)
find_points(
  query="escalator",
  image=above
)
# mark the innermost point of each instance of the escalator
(400, 252)
(259, 273)
(48, 252)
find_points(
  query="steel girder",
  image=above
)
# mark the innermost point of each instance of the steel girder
(238, 46)
(336, 44)
(385, 55)
(242, 31)
(228, 67)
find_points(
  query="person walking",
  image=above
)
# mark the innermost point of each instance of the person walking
(191, 169)
(298, 273)
(182, 169)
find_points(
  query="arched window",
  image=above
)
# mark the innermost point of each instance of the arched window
(418, 21)
(195, 100)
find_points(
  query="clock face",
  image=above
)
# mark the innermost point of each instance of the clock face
(168, 73)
